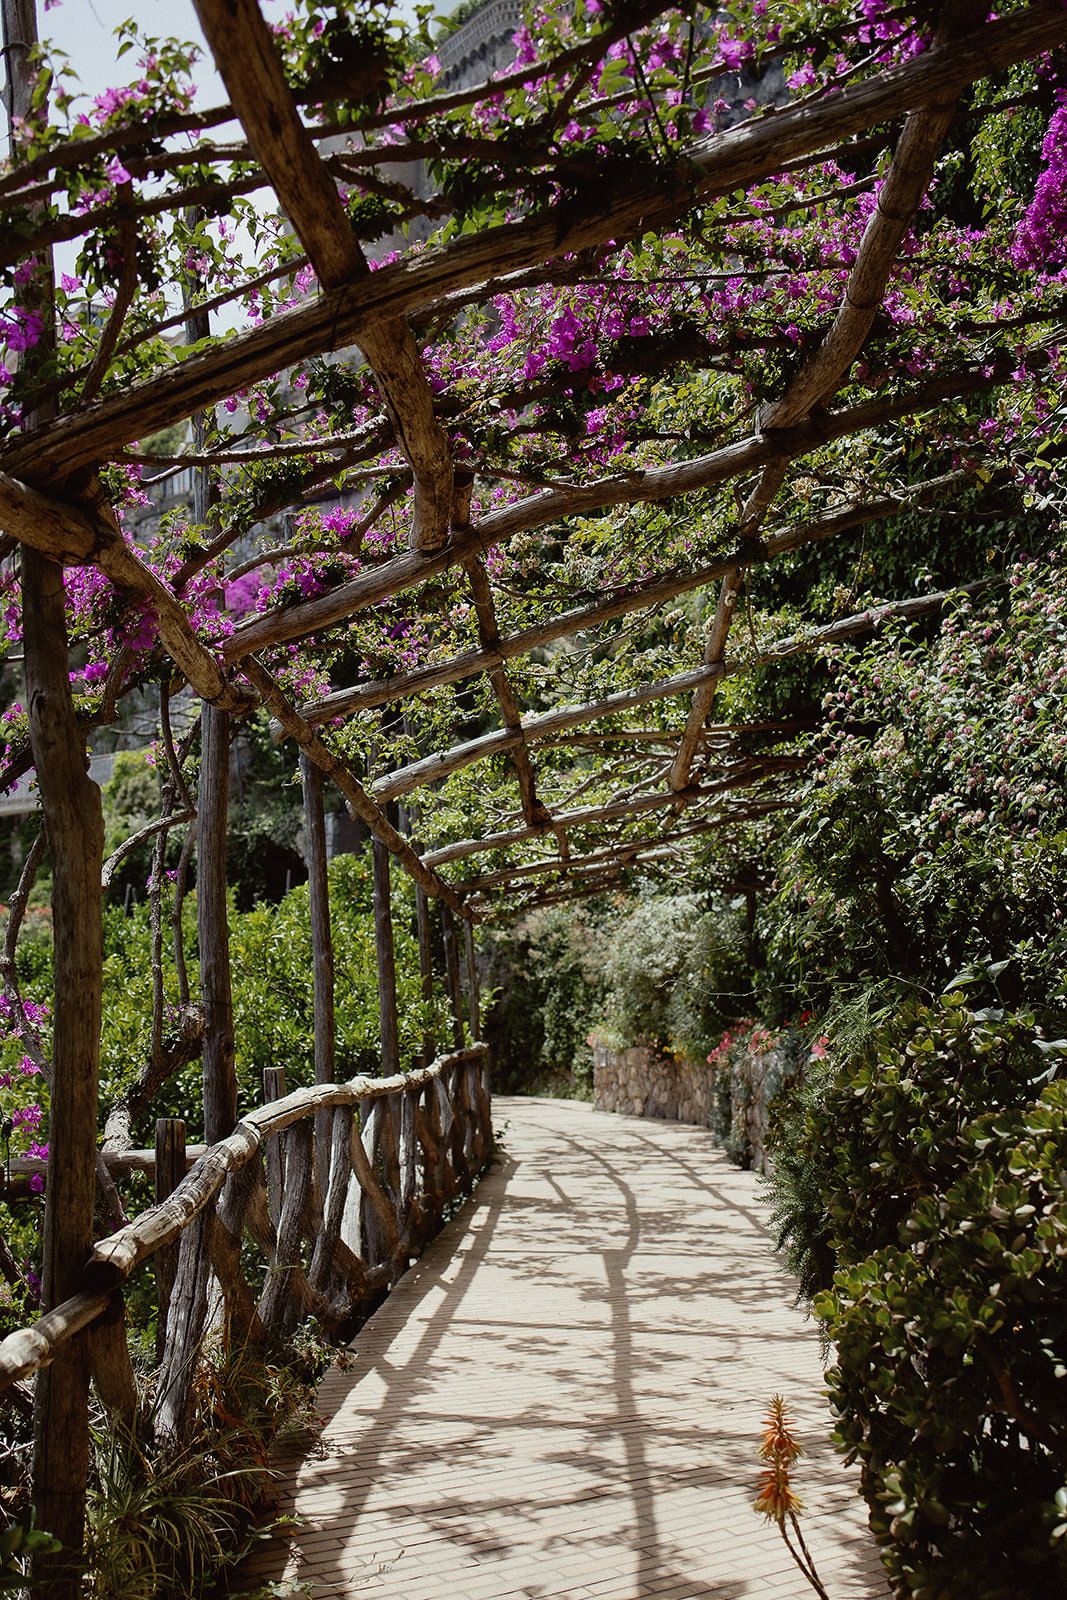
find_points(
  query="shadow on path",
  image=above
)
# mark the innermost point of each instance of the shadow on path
(563, 1397)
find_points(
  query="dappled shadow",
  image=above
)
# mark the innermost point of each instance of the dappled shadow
(566, 1391)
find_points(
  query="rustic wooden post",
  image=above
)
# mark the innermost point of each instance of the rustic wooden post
(72, 814)
(459, 1129)
(278, 1306)
(473, 988)
(185, 1325)
(383, 933)
(452, 974)
(328, 1238)
(321, 952)
(220, 1078)
(170, 1170)
(273, 1157)
(377, 1218)
(422, 928)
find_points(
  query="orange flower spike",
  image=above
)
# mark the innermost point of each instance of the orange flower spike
(778, 1442)
(776, 1499)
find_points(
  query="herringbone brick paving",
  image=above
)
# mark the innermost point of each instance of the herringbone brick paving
(563, 1397)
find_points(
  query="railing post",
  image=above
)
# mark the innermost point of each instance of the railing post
(383, 935)
(422, 926)
(473, 987)
(170, 1170)
(273, 1160)
(459, 1131)
(277, 1306)
(452, 974)
(322, 962)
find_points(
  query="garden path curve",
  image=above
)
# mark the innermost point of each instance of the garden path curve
(563, 1397)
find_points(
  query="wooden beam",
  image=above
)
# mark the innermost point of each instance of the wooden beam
(822, 373)
(243, 47)
(322, 962)
(386, 960)
(663, 483)
(489, 634)
(359, 801)
(624, 850)
(73, 819)
(752, 772)
(439, 765)
(531, 728)
(621, 602)
(82, 534)
(213, 926)
(733, 159)
(474, 1008)
(452, 980)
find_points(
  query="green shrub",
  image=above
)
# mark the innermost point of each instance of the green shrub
(674, 974)
(951, 1381)
(872, 1136)
(548, 989)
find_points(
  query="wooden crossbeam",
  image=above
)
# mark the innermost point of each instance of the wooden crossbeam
(622, 850)
(620, 602)
(531, 729)
(489, 634)
(733, 159)
(83, 533)
(407, 571)
(248, 63)
(822, 373)
(744, 776)
(439, 765)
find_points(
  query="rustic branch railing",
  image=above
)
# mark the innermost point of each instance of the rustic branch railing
(332, 1241)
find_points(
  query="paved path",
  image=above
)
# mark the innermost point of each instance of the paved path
(563, 1397)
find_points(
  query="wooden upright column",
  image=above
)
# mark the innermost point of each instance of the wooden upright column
(72, 814)
(383, 933)
(220, 1078)
(422, 927)
(322, 964)
(473, 995)
(455, 993)
(76, 843)
(170, 1170)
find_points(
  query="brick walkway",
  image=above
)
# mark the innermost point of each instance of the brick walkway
(563, 1397)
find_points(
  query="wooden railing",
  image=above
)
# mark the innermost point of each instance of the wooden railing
(337, 1187)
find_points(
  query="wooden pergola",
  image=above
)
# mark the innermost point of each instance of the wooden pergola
(704, 775)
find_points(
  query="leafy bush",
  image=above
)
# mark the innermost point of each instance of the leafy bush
(165, 1518)
(657, 969)
(548, 990)
(869, 1138)
(932, 830)
(919, 1187)
(752, 1069)
(951, 1381)
(674, 974)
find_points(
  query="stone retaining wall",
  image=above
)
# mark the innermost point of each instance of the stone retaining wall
(639, 1083)
(732, 1100)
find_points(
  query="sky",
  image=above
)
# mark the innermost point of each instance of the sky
(85, 29)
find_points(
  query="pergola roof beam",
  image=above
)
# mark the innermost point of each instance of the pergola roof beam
(624, 600)
(244, 52)
(406, 571)
(823, 372)
(730, 160)
(747, 774)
